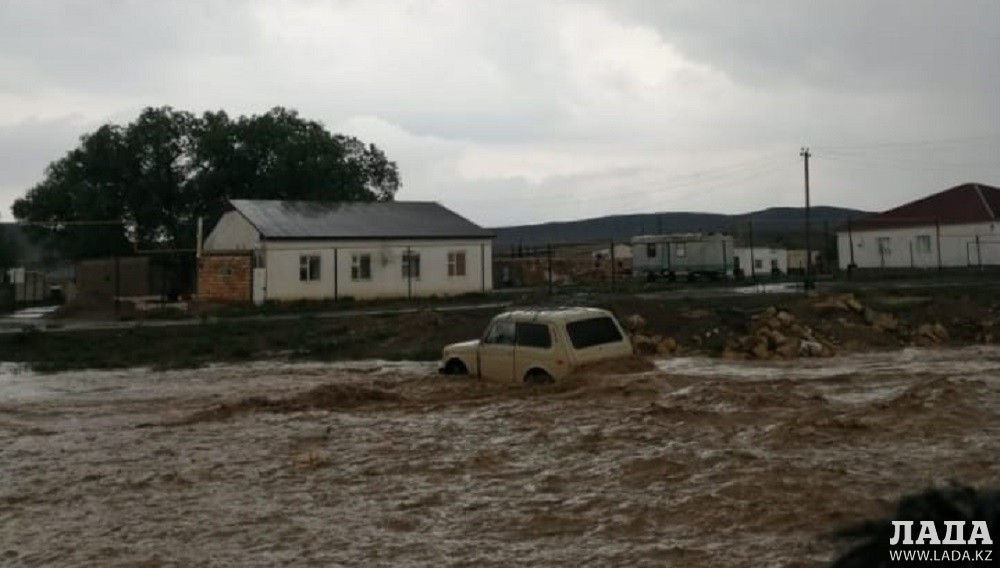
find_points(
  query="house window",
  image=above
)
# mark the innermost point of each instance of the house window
(309, 267)
(651, 250)
(411, 265)
(456, 263)
(923, 244)
(225, 271)
(884, 246)
(361, 267)
(681, 250)
(758, 263)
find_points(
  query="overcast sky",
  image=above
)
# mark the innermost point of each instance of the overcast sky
(527, 111)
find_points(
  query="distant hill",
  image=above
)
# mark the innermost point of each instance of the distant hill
(779, 225)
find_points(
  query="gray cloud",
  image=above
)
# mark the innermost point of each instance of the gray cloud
(528, 111)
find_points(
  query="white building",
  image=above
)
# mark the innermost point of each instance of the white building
(330, 250)
(760, 262)
(682, 254)
(957, 227)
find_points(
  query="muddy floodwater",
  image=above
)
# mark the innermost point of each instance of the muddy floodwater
(697, 463)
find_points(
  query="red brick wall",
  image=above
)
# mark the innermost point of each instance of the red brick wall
(225, 278)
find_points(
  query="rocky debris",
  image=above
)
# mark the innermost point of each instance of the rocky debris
(654, 345)
(839, 302)
(635, 323)
(931, 334)
(778, 333)
(883, 321)
(810, 349)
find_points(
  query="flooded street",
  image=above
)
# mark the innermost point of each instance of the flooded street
(701, 462)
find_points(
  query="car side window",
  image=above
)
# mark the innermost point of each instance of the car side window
(533, 335)
(502, 333)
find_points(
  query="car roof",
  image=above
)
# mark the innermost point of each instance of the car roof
(572, 313)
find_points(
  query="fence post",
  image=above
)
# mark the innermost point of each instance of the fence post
(409, 274)
(336, 275)
(612, 265)
(725, 265)
(979, 253)
(548, 255)
(117, 284)
(937, 230)
(850, 244)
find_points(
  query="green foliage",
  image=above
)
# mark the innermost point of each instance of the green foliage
(155, 176)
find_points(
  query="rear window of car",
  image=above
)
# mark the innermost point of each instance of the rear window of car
(533, 335)
(594, 331)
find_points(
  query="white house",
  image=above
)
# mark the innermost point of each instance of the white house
(760, 261)
(957, 227)
(329, 250)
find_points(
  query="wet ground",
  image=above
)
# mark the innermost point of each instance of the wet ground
(700, 463)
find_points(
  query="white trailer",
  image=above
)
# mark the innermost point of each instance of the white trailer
(682, 255)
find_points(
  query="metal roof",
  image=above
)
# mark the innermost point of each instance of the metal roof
(962, 204)
(356, 220)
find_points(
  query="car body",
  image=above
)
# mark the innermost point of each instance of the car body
(539, 345)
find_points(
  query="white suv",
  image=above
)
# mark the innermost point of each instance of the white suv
(538, 346)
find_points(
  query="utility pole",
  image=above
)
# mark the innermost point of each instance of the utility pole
(807, 283)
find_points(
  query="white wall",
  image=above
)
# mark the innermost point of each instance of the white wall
(710, 252)
(763, 257)
(387, 279)
(957, 242)
(232, 232)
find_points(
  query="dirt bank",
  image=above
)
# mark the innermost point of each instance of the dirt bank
(762, 326)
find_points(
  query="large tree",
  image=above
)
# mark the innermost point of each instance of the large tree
(146, 183)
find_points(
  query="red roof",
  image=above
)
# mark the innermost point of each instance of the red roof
(959, 205)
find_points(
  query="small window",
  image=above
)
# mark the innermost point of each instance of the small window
(594, 331)
(225, 271)
(456, 263)
(533, 335)
(411, 265)
(758, 263)
(308, 268)
(361, 267)
(884, 246)
(651, 250)
(774, 264)
(502, 333)
(923, 244)
(681, 250)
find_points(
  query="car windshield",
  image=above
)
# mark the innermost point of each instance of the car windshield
(594, 331)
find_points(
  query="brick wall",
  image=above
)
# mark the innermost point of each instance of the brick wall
(225, 278)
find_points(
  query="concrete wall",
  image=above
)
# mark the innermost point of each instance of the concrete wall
(96, 279)
(761, 261)
(282, 259)
(917, 247)
(232, 232)
(225, 277)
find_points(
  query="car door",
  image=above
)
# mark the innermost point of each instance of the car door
(535, 350)
(496, 351)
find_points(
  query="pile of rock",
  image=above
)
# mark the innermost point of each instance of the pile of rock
(648, 344)
(930, 334)
(778, 334)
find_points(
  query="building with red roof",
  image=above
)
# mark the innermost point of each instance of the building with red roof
(957, 227)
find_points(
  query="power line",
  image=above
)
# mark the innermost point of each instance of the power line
(967, 140)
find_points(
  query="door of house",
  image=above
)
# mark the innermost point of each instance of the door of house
(259, 285)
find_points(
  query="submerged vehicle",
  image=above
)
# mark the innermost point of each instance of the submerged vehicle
(538, 346)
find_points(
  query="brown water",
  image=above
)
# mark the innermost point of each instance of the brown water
(701, 463)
